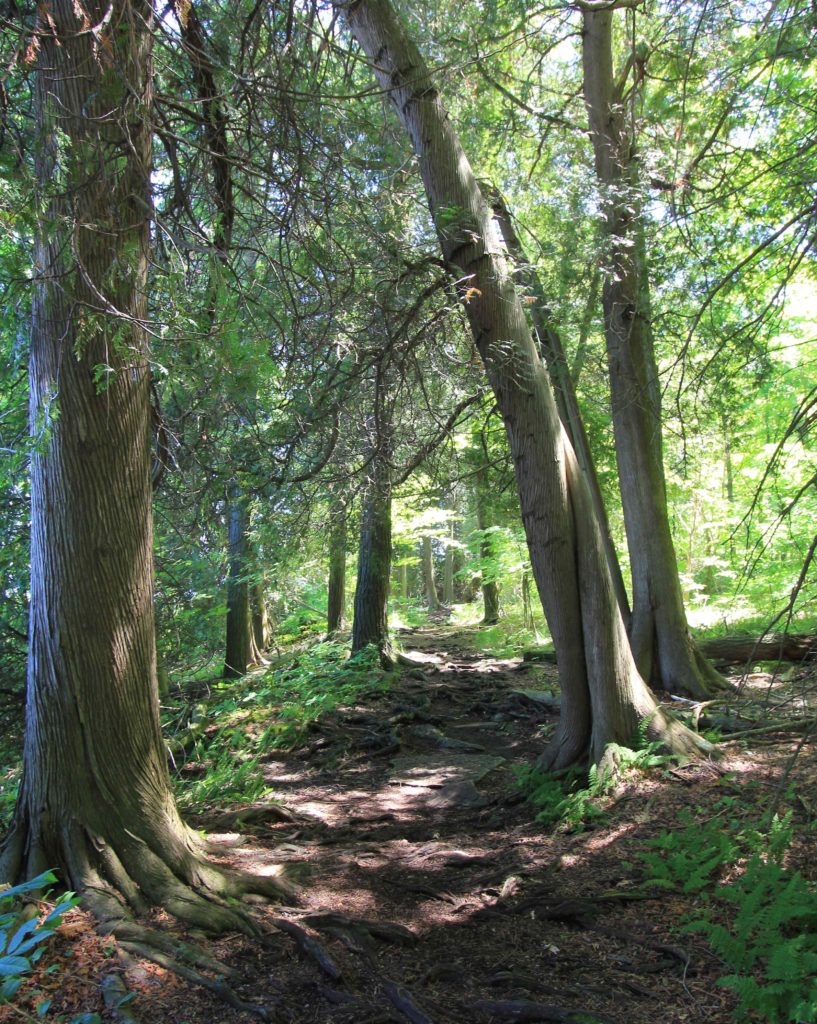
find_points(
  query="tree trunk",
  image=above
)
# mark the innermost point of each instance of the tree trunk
(527, 607)
(603, 698)
(241, 650)
(95, 798)
(448, 570)
(550, 345)
(336, 589)
(487, 555)
(370, 624)
(261, 631)
(663, 649)
(432, 600)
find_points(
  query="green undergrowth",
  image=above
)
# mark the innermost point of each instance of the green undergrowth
(576, 800)
(509, 638)
(758, 914)
(27, 922)
(268, 711)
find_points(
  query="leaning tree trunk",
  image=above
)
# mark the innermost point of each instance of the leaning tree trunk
(95, 799)
(603, 697)
(241, 652)
(432, 598)
(370, 624)
(662, 646)
(564, 391)
(336, 589)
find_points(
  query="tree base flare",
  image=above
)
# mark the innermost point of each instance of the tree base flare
(119, 876)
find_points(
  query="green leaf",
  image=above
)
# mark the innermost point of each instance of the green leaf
(10, 965)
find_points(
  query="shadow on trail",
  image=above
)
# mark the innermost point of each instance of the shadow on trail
(430, 893)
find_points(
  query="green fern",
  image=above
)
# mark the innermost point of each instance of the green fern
(770, 941)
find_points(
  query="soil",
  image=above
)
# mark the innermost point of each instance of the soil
(429, 891)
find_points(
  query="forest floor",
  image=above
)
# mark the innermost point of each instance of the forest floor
(429, 892)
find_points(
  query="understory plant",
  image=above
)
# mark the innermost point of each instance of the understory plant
(576, 799)
(758, 915)
(273, 710)
(24, 931)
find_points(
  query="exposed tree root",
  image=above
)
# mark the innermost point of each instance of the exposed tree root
(310, 945)
(218, 988)
(129, 933)
(403, 1000)
(114, 995)
(525, 1010)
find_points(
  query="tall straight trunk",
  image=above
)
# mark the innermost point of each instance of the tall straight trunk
(260, 618)
(432, 598)
(527, 606)
(448, 569)
(241, 652)
(370, 624)
(662, 646)
(603, 697)
(242, 649)
(95, 798)
(487, 554)
(336, 589)
(550, 345)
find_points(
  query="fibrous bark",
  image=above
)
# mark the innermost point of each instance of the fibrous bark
(603, 697)
(95, 798)
(241, 650)
(370, 624)
(564, 391)
(662, 646)
(261, 629)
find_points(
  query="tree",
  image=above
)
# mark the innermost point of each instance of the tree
(485, 525)
(663, 649)
(429, 581)
(95, 798)
(242, 650)
(603, 697)
(370, 622)
(336, 587)
(564, 391)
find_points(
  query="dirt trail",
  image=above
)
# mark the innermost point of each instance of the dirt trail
(429, 893)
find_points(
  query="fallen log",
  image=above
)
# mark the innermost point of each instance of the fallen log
(776, 647)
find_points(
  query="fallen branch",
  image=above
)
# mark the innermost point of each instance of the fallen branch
(778, 647)
(790, 725)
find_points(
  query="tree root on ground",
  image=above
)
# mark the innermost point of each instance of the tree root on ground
(218, 988)
(120, 875)
(115, 996)
(310, 945)
(525, 1010)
